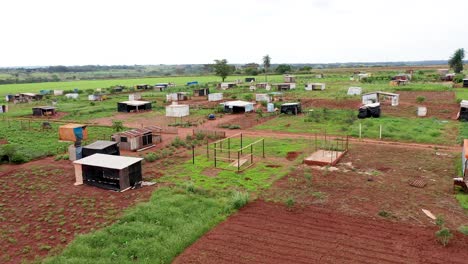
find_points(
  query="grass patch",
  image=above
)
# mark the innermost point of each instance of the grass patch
(151, 232)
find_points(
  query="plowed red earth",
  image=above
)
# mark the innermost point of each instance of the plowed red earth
(268, 233)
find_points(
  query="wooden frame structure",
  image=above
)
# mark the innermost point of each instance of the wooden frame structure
(326, 152)
(237, 157)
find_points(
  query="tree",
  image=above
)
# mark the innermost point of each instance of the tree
(456, 61)
(283, 68)
(266, 65)
(222, 69)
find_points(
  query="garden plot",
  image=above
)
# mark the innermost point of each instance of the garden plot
(41, 209)
(269, 233)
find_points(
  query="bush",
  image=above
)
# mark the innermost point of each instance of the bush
(177, 142)
(117, 125)
(239, 199)
(290, 202)
(458, 78)
(444, 235)
(420, 99)
(150, 157)
(234, 127)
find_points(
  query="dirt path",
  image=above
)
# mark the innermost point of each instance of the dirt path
(268, 233)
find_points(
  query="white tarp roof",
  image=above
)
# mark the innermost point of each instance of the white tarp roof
(108, 161)
(238, 103)
(29, 94)
(135, 103)
(464, 103)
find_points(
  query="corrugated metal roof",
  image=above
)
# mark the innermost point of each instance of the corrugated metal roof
(108, 161)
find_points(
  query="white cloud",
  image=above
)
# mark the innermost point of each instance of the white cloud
(52, 32)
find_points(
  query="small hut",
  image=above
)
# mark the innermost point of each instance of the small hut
(463, 113)
(134, 97)
(235, 107)
(354, 90)
(58, 92)
(177, 110)
(161, 86)
(175, 97)
(109, 172)
(73, 132)
(285, 86)
(263, 98)
(44, 111)
(3, 108)
(192, 83)
(213, 97)
(228, 85)
(369, 110)
(315, 87)
(379, 96)
(289, 78)
(133, 106)
(142, 87)
(291, 108)
(465, 83)
(263, 85)
(138, 139)
(26, 97)
(201, 92)
(101, 146)
(249, 79)
(96, 97)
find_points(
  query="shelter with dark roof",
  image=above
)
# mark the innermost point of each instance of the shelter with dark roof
(138, 139)
(101, 146)
(201, 92)
(26, 97)
(110, 172)
(291, 108)
(133, 106)
(43, 111)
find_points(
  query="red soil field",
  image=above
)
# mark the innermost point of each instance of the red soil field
(265, 232)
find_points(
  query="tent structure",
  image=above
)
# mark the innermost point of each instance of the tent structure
(374, 97)
(250, 79)
(285, 86)
(263, 85)
(133, 106)
(142, 86)
(161, 86)
(291, 108)
(101, 146)
(44, 111)
(289, 78)
(369, 110)
(177, 110)
(58, 92)
(465, 83)
(354, 90)
(192, 83)
(97, 97)
(138, 139)
(228, 85)
(72, 96)
(235, 107)
(213, 97)
(73, 132)
(3, 108)
(109, 172)
(314, 86)
(263, 98)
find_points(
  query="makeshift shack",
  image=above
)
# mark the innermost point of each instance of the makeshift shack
(374, 97)
(161, 86)
(235, 107)
(212, 97)
(398, 82)
(263, 98)
(138, 139)
(289, 78)
(26, 97)
(291, 108)
(284, 86)
(142, 87)
(463, 113)
(9, 98)
(58, 92)
(263, 85)
(201, 92)
(133, 106)
(354, 90)
(249, 79)
(72, 96)
(96, 97)
(177, 110)
(3, 108)
(45, 92)
(180, 96)
(134, 96)
(110, 172)
(117, 89)
(192, 83)
(228, 85)
(73, 132)
(315, 87)
(369, 110)
(276, 96)
(43, 111)
(448, 77)
(465, 83)
(101, 146)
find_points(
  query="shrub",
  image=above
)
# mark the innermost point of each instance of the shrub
(463, 230)
(117, 125)
(177, 142)
(150, 157)
(384, 213)
(234, 127)
(420, 99)
(458, 78)
(239, 199)
(444, 235)
(290, 202)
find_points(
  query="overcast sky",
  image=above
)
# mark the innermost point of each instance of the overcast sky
(108, 32)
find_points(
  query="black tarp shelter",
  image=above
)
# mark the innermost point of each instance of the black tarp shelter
(101, 146)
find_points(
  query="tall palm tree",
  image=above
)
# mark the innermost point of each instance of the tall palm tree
(266, 65)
